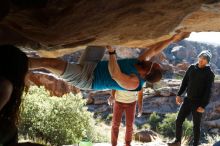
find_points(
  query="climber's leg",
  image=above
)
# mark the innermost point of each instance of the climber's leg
(92, 54)
(81, 74)
(56, 66)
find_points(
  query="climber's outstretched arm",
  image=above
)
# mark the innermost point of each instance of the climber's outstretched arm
(54, 65)
(160, 46)
(129, 82)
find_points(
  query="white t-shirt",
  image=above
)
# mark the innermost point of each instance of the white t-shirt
(125, 96)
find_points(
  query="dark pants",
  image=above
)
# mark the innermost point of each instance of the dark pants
(186, 109)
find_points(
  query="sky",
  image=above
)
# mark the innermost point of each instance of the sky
(207, 37)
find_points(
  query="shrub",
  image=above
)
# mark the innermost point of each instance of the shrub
(59, 121)
(167, 126)
(154, 121)
(187, 128)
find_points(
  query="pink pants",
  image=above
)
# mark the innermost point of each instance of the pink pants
(119, 108)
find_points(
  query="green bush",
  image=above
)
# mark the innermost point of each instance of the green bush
(167, 126)
(217, 77)
(154, 121)
(188, 128)
(58, 120)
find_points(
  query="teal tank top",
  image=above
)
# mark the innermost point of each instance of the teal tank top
(103, 80)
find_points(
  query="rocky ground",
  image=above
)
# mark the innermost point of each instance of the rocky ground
(160, 100)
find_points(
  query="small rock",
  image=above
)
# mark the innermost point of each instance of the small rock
(145, 136)
(164, 91)
(90, 100)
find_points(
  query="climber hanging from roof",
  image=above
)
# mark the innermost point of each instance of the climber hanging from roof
(91, 73)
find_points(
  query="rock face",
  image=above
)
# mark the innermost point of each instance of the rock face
(98, 97)
(161, 105)
(212, 114)
(163, 101)
(66, 24)
(184, 53)
(55, 86)
(182, 66)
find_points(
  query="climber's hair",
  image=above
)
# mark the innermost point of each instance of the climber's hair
(154, 71)
(13, 67)
(145, 65)
(155, 75)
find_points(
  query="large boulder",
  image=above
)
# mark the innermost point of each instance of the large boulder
(56, 86)
(182, 66)
(213, 123)
(54, 24)
(161, 105)
(212, 115)
(165, 91)
(94, 97)
(182, 53)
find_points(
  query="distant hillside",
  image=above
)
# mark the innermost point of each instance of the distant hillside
(189, 50)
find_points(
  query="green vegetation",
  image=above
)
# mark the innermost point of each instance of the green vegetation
(154, 121)
(57, 120)
(166, 126)
(217, 77)
(178, 77)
